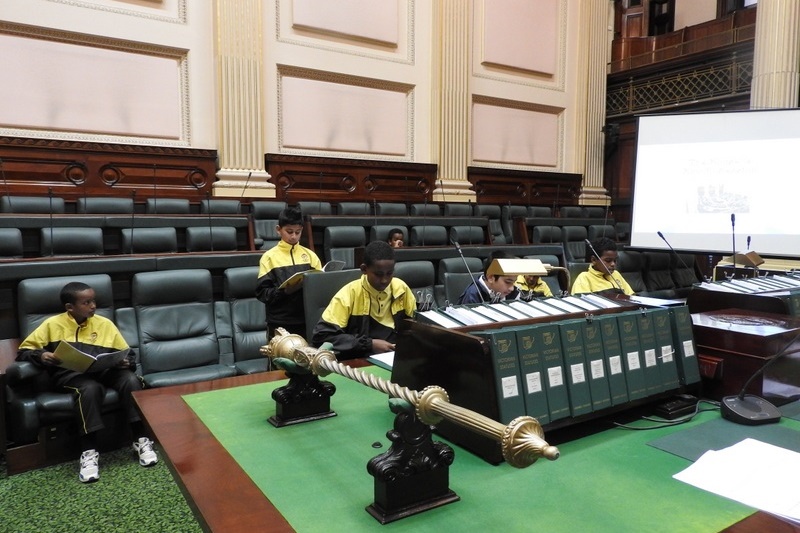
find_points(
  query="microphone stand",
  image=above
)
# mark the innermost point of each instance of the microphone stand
(471, 275)
(133, 219)
(210, 228)
(733, 243)
(673, 250)
(749, 409)
(608, 270)
(52, 244)
(5, 185)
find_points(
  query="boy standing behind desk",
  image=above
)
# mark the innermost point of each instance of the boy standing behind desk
(279, 263)
(360, 319)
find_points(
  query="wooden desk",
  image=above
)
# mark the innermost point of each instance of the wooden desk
(221, 495)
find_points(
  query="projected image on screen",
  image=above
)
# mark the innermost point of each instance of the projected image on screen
(694, 171)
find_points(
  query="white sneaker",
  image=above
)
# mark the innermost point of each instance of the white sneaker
(90, 469)
(147, 455)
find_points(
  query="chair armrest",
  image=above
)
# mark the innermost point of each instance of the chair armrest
(20, 371)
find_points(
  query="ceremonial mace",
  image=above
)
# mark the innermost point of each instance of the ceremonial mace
(412, 476)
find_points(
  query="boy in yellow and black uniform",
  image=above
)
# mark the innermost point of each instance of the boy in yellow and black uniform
(360, 319)
(532, 286)
(602, 274)
(279, 263)
(92, 334)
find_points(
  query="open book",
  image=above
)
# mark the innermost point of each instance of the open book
(297, 278)
(74, 359)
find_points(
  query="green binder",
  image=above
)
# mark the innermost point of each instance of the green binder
(631, 354)
(532, 375)
(665, 349)
(580, 399)
(615, 367)
(547, 336)
(505, 362)
(596, 365)
(648, 350)
(688, 366)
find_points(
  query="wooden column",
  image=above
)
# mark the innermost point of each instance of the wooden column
(776, 65)
(452, 100)
(241, 107)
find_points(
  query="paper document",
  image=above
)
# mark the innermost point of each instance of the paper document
(440, 319)
(751, 472)
(655, 302)
(383, 360)
(74, 359)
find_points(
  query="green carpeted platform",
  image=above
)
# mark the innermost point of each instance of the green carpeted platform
(315, 473)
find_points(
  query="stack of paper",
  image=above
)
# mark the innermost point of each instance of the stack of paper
(751, 472)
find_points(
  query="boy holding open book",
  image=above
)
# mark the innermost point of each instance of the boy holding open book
(284, 304)
(94, 335)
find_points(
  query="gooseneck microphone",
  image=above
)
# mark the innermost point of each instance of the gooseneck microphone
(671, 249)
(133, 218)
(471, 275)
(608, 270)
(208, 216)
(749, 409)
(52, 243)
(733, 242)
(5, 186)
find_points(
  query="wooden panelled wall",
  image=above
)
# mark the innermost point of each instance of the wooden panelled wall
(72, 169)
(302, 178)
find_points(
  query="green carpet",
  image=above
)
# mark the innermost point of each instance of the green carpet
(127, 498)
(316, 474)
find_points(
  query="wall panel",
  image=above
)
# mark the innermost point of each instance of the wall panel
(507, 134)
(347, 115)
(90, 88)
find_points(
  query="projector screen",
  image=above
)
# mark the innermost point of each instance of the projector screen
(708, 181)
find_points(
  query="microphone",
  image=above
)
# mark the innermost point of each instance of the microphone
(155, 201)
(52, 244)
(210, 229)
(246, 183)
(733, 238)
(749, 409)
(555, 201)
(608, 270)
(424, 214)
(319, 202)
(407, 195)
(471, 275)
(5, 185)
(133, 215)
(673, 251)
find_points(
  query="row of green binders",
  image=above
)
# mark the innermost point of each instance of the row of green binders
(575, 366)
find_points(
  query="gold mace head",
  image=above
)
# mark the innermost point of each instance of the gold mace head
(283, 344)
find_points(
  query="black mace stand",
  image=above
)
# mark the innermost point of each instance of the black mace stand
(413, 475)
(304, 399)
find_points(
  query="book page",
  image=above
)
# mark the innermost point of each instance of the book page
(74, 359)
(333, 265)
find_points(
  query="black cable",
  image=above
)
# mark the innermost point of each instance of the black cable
(664, 423)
